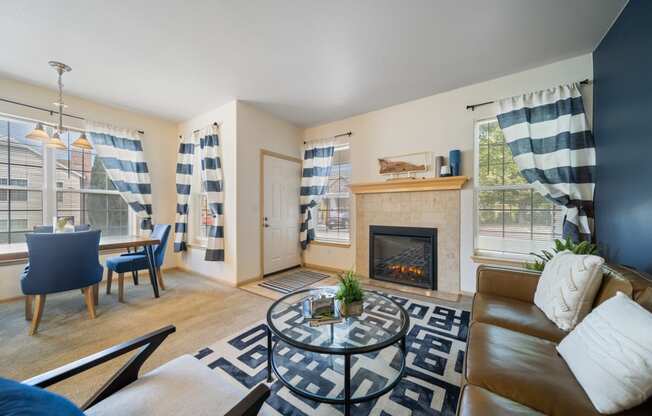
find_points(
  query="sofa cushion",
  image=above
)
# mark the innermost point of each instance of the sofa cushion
(616, 279)
(568, 286)
(476, 401)
(524, 369)
(609, 353)
(512, 314)
(183, 386)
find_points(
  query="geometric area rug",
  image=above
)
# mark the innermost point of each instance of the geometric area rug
(436, 344)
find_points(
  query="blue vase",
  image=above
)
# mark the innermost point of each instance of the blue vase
(454, 160)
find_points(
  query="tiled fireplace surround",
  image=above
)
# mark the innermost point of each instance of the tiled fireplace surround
(436, 209)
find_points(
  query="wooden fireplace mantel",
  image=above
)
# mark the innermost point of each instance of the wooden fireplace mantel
(410, 185)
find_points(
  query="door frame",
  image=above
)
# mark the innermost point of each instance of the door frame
(263, 153)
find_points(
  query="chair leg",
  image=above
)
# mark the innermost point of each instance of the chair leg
(89, 298)
(134, 275)
(121, 287)
(36, 320)
(29, 307)
(109, 279)
(159, 275)
(96, 293)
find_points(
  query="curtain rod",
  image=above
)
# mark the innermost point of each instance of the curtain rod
(348, 133)
(52, 112)
(472, 107)
(197, 131)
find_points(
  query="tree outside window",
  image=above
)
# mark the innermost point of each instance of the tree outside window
(511, 216)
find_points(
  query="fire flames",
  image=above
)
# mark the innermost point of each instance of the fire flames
(405, 269)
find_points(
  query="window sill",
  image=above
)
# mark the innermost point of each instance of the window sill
(331, 243)
(501, 260)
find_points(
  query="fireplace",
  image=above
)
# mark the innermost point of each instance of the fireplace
(405, 255)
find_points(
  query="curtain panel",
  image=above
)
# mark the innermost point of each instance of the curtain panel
(184, 182)
(121, 153)
(316, 168)
(213, 186)
(552, 145)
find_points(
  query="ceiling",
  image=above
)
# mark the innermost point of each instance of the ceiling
(306, 61)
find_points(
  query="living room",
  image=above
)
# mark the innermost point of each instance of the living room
(303, 208)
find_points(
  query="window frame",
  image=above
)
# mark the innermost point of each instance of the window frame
(532, 245)
(49, 190)
(321, 239)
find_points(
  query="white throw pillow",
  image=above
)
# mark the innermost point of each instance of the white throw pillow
(567, 288)
(610, 354)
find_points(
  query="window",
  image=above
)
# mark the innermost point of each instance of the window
(21, 200)
(80, 186)
(511, 216)
(205, 219)
(333, 213)
(85, 191)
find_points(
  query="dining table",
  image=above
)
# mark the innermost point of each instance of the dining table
(19, 251)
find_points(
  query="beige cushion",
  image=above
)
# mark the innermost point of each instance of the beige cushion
(567, 287)
(610, 354)
(183, 386)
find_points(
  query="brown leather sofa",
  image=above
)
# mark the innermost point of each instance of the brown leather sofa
(511, 365)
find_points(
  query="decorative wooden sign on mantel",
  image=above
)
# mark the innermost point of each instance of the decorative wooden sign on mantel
(411, 185)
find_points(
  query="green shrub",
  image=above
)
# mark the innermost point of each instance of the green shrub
(561, 245)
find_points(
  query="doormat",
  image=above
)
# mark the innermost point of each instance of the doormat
(291, 281)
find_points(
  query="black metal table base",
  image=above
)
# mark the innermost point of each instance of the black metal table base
(347, 401)
(149, 250)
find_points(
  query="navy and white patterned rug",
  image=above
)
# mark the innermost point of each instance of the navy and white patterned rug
(430, 386)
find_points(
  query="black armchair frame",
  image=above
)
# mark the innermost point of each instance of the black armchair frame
(249, 406)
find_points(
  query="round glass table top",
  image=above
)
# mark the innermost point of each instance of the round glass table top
(382, 322)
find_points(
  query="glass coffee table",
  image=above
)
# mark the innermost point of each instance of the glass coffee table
(353, 361)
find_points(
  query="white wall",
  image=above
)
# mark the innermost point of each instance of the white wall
(193, 259)
(257, 130)
(159, 145)
(437, 123)
(244, 130)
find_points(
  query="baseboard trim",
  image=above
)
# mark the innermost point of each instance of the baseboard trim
(323, 268)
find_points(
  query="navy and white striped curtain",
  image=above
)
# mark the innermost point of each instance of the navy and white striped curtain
(317, 161)
(121, 153)
(213, 186)
(552, 145)
(184, 181)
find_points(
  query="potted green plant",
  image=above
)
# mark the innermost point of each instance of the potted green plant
(350, 294)
(583, 247)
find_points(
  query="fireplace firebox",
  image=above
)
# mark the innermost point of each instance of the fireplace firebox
(405, 255)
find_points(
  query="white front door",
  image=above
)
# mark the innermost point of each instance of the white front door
(282, 183)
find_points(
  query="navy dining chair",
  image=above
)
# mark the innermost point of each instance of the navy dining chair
(49, 228)
(59, 262)
(132, 262)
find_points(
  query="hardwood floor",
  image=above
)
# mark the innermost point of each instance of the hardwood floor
(202, 310)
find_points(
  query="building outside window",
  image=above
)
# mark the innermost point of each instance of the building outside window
(333, 213)
(510, 216)
(205, 217)
(80, 187)
(21, 200)
(87, 193)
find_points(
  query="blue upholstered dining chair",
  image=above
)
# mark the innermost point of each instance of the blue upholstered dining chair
(58, 263)
(48, 228)
(132, 262)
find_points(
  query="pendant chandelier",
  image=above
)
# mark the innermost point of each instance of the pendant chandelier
(55, 141)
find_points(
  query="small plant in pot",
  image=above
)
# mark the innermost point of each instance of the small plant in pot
(350, 294)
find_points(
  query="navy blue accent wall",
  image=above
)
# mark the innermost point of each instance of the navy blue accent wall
(622, 66)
